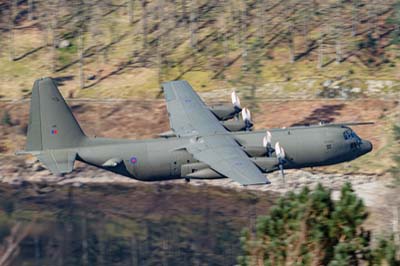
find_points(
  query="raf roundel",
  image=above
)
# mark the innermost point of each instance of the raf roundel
(133, 160)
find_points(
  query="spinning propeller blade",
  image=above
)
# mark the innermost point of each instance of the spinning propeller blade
(267, 143)
(280, 154)
(246, 115)
(235, 100)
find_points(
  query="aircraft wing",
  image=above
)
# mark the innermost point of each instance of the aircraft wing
(223, 154)
(210, 143)
(188, 114)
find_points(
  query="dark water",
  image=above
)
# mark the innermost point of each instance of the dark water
(125, 225)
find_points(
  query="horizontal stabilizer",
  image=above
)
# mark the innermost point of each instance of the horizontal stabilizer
(58, 161)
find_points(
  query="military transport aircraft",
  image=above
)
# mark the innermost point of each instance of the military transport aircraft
(204, 142)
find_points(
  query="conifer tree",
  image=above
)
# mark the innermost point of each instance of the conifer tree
(310, 228)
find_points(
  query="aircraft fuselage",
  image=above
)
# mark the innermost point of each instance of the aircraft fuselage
(166, 158)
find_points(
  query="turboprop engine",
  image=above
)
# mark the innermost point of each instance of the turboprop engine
(243, 124)
(224, 112)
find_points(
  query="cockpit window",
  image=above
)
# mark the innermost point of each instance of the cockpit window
(347, 134)
(350, 134)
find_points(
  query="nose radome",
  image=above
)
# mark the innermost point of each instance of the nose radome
(366, 146)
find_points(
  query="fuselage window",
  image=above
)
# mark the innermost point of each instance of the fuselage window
(350, 134)
(354, 145)
(329, 146)
(346, 135)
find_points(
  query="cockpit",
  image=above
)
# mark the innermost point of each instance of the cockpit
(353, 138)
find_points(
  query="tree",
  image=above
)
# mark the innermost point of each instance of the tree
(6, 119)
(193, 23)
(131, 4)
(144, 4)
(83, 20)
(30, 9)
(338, 29)
(310, 228)
(11, 24)
(355, 21)
(53, 6)
(395, 21)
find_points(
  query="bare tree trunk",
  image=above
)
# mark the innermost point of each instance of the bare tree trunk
(370, 17)
(1, 44)
(36, 240)
(53, 32)
(30, 9)
(81, 60)
(43, 22)
(355, 18)
(338, 45)
(53, 49)
(134, 251)
(291, 42)
(160, 19)
(264, 17)
(184, 12)
(193, 22)
(243, 28)
(96, 33)
(291, 20)
(224, 34)
(338, 35)
(396, 227)
(144, 23)
(306, 21)
(85, 255)
(321, 52)
(11, 44)
(130, 11)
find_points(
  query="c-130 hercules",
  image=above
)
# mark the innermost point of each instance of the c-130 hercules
(204, 142)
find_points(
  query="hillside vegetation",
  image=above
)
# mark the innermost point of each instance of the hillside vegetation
(310, 228)
(126, 48)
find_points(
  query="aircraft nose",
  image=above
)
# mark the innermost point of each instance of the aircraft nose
(366, 146)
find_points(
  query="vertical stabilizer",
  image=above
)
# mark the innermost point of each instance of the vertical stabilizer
(51, 122)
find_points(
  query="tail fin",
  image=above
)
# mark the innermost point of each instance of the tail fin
(51, 122)
(53, 132)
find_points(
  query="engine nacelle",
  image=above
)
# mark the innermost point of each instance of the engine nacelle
(198, 171)
(255, 151)
(234, 125)
(224, 112)
(266, 164)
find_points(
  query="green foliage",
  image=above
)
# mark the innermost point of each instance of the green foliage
(310, 228)
(395, 170)
(4, 231)
(394, 19)
(67, 54)
(396, 130)
(6, 119)
(7, 206)
(385, 252)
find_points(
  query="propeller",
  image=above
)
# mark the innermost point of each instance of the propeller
(246, 115)
(267, 143)
(236, 104)
(235, 101)
(280, 155)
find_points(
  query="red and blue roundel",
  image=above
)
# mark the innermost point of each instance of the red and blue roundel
(133, 160)
(54, 132)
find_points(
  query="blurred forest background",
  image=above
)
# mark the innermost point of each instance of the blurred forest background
(125, 48)
(266, 49)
